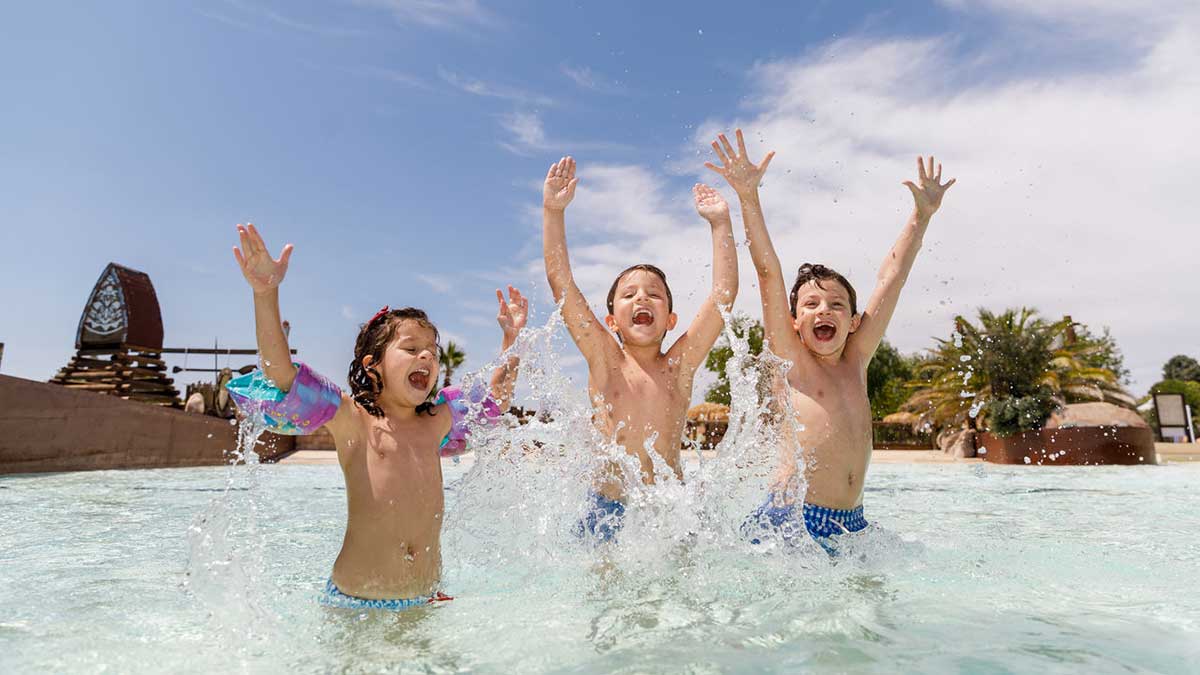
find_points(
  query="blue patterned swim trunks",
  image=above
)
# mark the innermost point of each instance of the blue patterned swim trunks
(779, 518)
(603, 519)
(334, 597)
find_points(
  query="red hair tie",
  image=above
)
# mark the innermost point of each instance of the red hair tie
(378, 314)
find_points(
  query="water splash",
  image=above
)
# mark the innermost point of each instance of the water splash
(225, 566)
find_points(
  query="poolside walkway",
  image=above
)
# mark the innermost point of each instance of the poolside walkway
(1177, 452)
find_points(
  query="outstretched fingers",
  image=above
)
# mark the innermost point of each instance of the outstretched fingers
(256, 240)
(762, 168)
(921, 168)
(741, 142)
(727, 146)
(720, 153)
(503, 304)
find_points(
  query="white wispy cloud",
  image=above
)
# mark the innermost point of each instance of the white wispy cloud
(443, 14)
(1069, 184)
(1074, 192)
(391, 75)
(525, 134)
(437, 282)
(349, 314)
(283, 20)
(477, 87)
(588, 79)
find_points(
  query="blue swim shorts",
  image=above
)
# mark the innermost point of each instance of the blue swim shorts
(334, 597)
(779, 518)
(603, 519)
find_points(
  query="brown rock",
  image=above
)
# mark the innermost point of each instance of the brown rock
(1095, 415)
(957, 442)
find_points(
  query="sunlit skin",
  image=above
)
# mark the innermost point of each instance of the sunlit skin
(828, 346)
(392, 467)
(641, 394)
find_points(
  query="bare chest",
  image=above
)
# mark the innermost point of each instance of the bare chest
(396, 472)
(641, 398)
(832, 409)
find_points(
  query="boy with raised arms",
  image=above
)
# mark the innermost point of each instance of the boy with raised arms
(817, 327)
(639, 392)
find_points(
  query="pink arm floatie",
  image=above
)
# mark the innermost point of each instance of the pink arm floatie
(311, 401)
(466, 408)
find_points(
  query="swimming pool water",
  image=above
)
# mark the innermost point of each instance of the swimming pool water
(971, 568)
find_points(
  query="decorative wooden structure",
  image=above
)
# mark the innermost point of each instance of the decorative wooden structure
(119, 342)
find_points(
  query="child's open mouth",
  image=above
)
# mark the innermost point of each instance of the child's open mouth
(824, 332)
(643, 317)
(419, 379)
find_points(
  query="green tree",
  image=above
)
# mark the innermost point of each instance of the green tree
(744, 328)
(1104, 353)
(1181, 367)
(451, 358)
(1014, 368)
(888, 376)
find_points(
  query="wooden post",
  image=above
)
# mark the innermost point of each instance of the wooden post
(1, 352)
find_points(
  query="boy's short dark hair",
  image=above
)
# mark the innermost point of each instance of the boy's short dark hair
(816, 274)
(644, 267)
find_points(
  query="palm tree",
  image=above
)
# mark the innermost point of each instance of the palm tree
(451, 358)
(1014, 366)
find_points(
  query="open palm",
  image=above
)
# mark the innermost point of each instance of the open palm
(742, 174)
(709, 203)
(513, 313)
(262, 271)
(559, 188)
(928, 195)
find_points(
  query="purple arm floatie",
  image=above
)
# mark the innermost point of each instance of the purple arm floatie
(311, 401)
(466, 407)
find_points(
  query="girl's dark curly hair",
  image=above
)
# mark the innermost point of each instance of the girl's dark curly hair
(373, 339)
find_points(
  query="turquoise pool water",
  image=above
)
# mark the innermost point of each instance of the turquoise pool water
(972, 568)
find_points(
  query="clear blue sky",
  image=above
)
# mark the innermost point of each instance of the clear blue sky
(399, 146)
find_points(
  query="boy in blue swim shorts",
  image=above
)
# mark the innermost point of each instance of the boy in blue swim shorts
(818, 328)
(640, 393)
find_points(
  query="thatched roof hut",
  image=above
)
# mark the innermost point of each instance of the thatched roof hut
(708, 413)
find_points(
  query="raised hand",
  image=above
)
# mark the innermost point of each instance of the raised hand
(262, 271)
(927, 197)
(513, 313)
(559, 189)
(742, 174)
(710, 204)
